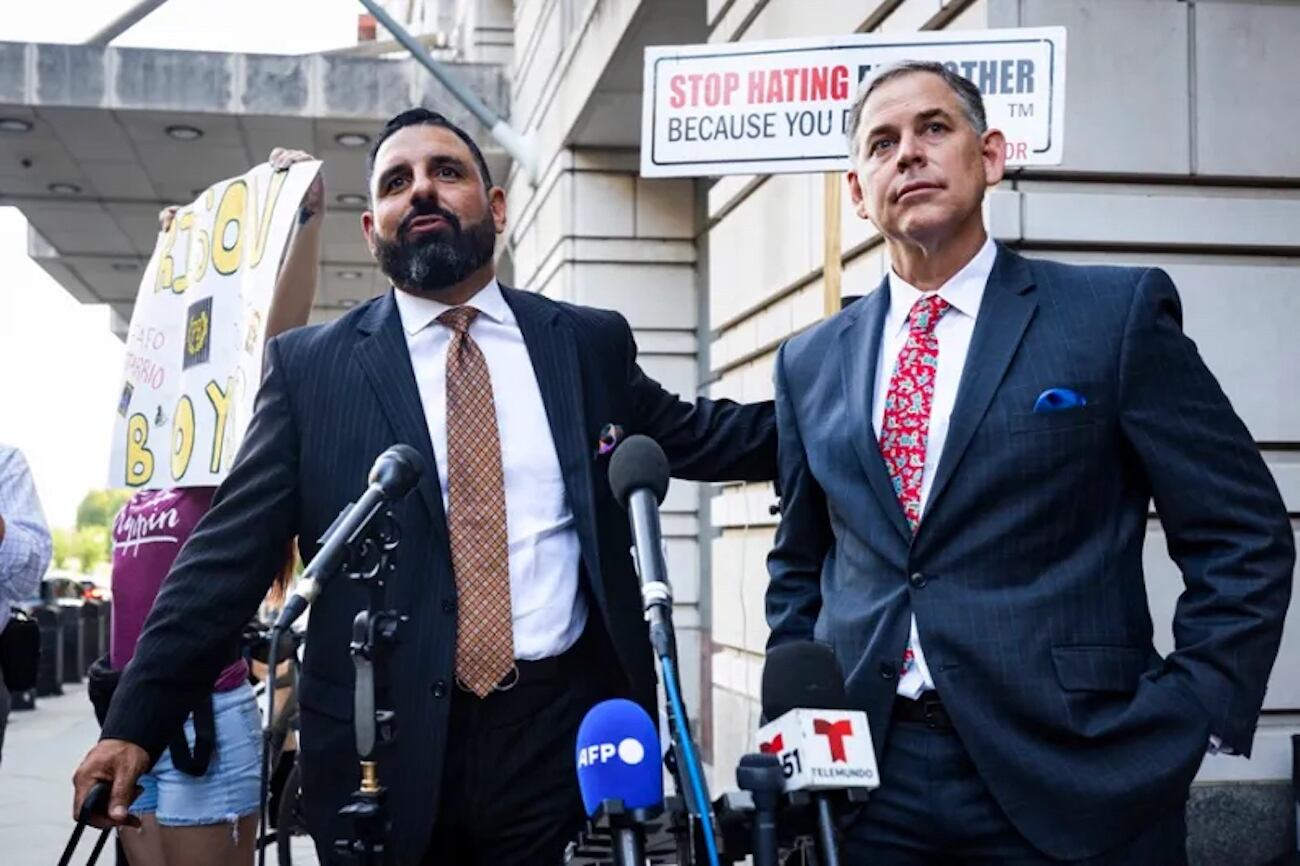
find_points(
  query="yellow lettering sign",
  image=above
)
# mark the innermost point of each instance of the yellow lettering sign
(184, 222)
(228, 233)
(139, 459)
(264, 220)
(182, 437)
(166, 267)
(221, 404)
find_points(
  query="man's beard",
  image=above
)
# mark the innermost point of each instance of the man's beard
(437, 260)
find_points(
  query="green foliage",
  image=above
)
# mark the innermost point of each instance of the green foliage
(64, 540)
(81, 549)
(99, 507)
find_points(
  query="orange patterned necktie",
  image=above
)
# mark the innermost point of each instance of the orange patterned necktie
(476, 514)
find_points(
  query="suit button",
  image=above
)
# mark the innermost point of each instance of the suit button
(917, 580)
(440, 689)
(448, 606)
(887, 671)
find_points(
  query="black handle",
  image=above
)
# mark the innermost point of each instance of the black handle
(95, 804)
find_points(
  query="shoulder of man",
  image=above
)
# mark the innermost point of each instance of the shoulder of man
(310, 341)
(577, 315)
(12, 461)
(810, 346)
(1064, 280)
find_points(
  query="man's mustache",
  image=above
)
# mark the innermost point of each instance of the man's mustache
(427, 209)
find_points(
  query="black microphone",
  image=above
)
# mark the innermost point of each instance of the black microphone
(803, 677)
(760, 775)
(638, 476)
(395, 474)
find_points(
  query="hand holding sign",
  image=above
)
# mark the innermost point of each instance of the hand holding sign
(194, 348)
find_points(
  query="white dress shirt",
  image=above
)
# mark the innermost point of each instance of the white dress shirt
(25, 551)
(963, 292)
(548, 611)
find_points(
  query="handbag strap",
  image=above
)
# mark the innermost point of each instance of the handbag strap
(96, 800)
(194, 762)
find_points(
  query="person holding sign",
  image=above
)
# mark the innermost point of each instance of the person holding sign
(967, 456)
(524, 607)
(198, 804)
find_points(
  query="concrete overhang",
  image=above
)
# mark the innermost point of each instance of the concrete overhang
(86, 155)
(611, 117)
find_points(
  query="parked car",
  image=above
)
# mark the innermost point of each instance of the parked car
(94, 591)
(63, 589)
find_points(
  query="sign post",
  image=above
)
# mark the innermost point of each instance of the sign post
(833, 253)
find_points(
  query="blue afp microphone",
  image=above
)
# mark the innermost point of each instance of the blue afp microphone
(618, 759)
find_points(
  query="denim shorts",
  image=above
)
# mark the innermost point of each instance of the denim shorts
(231, 787)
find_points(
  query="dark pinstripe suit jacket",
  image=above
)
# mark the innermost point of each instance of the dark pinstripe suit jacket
(1028, 587)
(333, 398)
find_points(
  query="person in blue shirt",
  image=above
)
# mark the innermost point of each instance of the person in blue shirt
(24, 546)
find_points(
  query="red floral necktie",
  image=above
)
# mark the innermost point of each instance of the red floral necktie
(906, 425)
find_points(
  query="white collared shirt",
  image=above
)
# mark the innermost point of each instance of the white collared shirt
(549, 612)
(963, 292)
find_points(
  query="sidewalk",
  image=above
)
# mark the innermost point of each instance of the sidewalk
(42, 749)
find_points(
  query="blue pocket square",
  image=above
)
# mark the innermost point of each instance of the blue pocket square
(1056, 399)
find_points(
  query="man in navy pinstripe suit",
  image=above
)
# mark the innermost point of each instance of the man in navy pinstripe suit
(514, 569)
(967, 456)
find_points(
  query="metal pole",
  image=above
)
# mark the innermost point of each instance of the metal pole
(506, 136)
(124, 22)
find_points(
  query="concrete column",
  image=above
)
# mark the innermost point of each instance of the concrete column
(592, 232)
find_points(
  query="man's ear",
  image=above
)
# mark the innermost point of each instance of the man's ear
(993, 153)
(368, 230)
(855, 194)
(497, 204)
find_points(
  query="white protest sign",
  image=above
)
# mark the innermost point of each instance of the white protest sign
(194, 348)
(782, 106)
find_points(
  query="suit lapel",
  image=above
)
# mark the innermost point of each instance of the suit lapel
(860, 337)
(386, 362)
(1005, 313)
(552, 347)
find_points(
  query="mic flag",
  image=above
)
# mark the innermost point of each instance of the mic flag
(821, 743)
(618, 757)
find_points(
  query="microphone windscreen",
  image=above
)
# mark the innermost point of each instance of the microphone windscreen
(638, 463)
(802, 674)
(397, 470)
(618, 757)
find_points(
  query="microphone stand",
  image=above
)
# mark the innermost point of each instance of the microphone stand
(374, 636)
(699, 845)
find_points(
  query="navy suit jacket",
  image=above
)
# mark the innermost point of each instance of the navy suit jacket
(1025, 575)
(333, 398)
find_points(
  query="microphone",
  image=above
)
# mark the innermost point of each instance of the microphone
(618, 759)
(638, 476)
(761, 776)
(822, 745)
(395, 474)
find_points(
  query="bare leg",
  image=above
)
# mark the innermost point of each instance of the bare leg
(144, 846)
(212, 844)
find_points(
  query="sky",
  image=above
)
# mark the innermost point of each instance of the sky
(59, 363)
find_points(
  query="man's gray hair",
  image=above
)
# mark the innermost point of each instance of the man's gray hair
(968, 94)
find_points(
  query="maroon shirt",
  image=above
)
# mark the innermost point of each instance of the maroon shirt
(147, 536)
